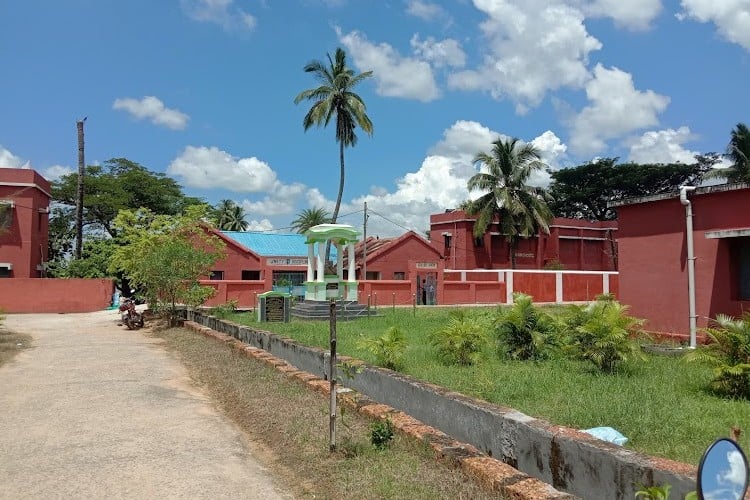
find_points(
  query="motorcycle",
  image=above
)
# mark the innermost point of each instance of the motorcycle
(130, 317)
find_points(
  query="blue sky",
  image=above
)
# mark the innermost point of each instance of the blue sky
(203, 90)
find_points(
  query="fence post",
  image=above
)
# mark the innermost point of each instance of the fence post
(332, 378)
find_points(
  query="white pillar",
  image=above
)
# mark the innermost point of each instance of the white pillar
(310, 257)
(339, 262)
(321, 269)
(352, 267)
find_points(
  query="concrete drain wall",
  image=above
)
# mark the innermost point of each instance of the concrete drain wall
(569, 460)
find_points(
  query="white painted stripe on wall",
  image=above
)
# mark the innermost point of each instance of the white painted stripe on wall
(558, 287)
(509, 288)
(605, 283)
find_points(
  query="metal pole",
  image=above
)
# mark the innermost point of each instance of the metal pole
(332, 378)
(394, 302)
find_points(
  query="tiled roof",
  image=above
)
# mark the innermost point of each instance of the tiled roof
(273, 245)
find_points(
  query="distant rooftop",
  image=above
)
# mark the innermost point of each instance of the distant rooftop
(273, 245)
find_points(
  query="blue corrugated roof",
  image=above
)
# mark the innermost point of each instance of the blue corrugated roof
(273, 245)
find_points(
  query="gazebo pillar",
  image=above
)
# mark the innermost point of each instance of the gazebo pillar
(352, 266)
(339, 262)
(321, 268)
(310, 257)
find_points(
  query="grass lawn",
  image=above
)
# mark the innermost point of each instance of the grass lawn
(288, 424)
(660, 404)
(11, 344)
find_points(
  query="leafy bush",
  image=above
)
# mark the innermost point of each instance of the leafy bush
(602, 333)
(381, 433)
(388, 349)
(223, 311)
(523, 331)
(729, 354)
(461, 339)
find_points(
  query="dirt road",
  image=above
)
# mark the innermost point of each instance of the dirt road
(96, 411)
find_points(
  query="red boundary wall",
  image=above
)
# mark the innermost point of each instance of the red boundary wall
(455, 288)
(40, 295)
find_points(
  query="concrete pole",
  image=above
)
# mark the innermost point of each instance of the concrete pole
(690, 263)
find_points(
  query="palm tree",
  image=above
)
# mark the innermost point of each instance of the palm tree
(334, 99)
(738, 151)
(522, 209)
(230, 216)
(310, 217)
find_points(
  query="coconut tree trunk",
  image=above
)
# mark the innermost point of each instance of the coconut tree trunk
(339, 197)
(79, 194)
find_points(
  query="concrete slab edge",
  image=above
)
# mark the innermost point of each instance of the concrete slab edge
(492, 474)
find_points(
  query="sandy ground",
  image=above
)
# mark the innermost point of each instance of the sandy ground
(93, 410)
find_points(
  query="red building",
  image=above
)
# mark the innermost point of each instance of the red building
(24, 221)
(571, 244)
(653, 256)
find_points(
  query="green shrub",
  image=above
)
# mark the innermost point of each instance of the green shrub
(602, 333)
(462, 339)
(523, 331)
(381, 433)
(388, 349)
(223, 311)
(729, 354)
(654, 492)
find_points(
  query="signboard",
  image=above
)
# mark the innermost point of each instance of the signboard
(427, 265)
(287, 261)
(274, 306)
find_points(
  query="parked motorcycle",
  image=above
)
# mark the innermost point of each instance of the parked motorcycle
(130, 317)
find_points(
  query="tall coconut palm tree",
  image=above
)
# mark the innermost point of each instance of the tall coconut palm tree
(522, 209)
(334, 98)
(738, 151)
(310, 217)
(230, 216)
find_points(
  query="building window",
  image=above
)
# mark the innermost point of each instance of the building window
(399, 275)
(249, 275)
(216, 275)
(447, 239)
(4, 272)
(478, 241)
(373, 275)
(744, 268)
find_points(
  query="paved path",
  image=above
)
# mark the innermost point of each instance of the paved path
(96, 411)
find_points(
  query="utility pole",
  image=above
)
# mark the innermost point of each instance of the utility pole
(79, 198)
(364, 248)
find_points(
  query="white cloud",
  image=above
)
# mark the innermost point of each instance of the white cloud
(552, 149)
(395, 75)
(615, 108)
(731, 17)
(280, 199)
(631, 14)
(259, 225)
(221, 12)
(534, 46)
(446, 52)
(213, 168)
(55, 172)
(440, 182)
(9, 160)
(153, 109)
(662, 146)
(424, 10)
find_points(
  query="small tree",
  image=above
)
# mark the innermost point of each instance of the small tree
(388, 349)
(729, 355)
(462, 339)
(524, 332)
(602, 333)
(165, 257)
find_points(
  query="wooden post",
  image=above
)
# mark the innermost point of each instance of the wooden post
(332, 379)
